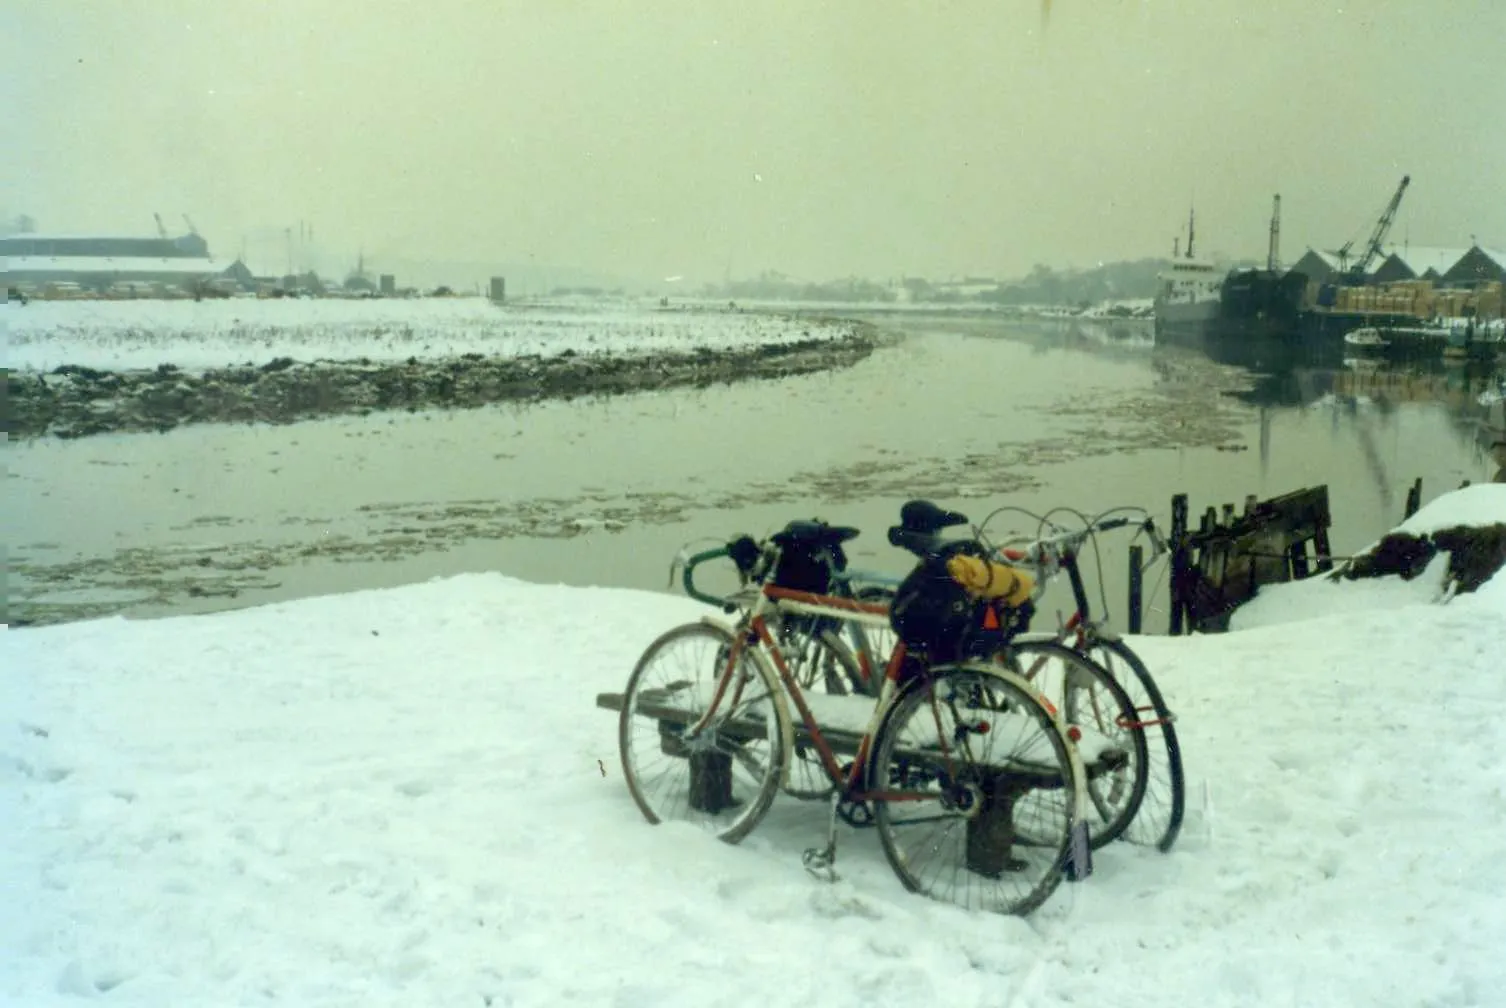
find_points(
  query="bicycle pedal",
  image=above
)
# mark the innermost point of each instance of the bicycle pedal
(820, 863)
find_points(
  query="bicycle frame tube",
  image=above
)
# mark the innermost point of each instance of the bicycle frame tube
(850, 611)
(862, 613)
(740, 640)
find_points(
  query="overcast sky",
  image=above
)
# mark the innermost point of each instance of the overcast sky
(652, 138)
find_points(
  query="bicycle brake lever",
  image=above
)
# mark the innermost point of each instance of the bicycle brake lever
(1157, 541)
(676, 562)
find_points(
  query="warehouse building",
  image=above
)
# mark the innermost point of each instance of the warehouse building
(101, 263)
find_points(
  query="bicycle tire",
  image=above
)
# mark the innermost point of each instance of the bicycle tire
(658, 802)
(900, 762)
(1114, 719)
(1146, 830)
(874, 644)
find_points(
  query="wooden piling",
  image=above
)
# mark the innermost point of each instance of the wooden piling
(1136, 586)
(1225, 562)
(1324, 551)
(1414, 499)
(1178, 562)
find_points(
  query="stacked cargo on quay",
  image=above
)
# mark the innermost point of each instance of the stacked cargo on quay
(1451, 296)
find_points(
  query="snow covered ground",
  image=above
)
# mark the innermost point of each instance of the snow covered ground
(1480, 504)
(407, 797)
(116, 335)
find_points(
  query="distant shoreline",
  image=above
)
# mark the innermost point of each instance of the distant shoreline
(73, 401)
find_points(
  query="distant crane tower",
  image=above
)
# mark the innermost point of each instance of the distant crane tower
(161, 231)
(1273, 253)
(1356, 273)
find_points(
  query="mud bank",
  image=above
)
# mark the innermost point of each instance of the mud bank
(73, 401)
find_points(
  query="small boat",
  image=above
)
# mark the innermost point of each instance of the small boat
(1367, 338)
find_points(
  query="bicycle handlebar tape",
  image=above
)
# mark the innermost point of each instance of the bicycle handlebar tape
(990, 580)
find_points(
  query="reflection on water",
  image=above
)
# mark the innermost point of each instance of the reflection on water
(973, 412)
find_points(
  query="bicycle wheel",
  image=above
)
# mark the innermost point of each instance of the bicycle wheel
(819, 663)
(724, 778)
(978, 790)
(1092, 703)
(1160, 818)
(873, 646)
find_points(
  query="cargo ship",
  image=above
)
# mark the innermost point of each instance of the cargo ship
(1187, 298)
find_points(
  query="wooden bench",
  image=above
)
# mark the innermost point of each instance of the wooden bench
(843, 721)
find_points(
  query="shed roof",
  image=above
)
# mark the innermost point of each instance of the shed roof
(184, 265)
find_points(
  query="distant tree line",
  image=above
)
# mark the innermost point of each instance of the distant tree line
(774, 286)
(1110, 281)
(1042, 286)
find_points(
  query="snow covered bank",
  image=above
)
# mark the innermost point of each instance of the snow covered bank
(283, 360)
(195, 336)
(1473, 507)
(407, 797)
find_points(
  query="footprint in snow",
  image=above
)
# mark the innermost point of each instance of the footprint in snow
(45, 774)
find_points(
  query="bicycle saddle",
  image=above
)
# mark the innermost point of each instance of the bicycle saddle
(922, 544)
(920, 523)
(923, 516)
(813, 533)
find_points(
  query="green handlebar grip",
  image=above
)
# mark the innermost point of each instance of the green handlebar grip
(687, 576)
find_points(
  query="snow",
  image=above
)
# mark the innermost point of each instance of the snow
(1422, 258)
(408, 797)
(1475, 505)
(195, 335)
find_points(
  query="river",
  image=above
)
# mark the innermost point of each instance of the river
(974, 413)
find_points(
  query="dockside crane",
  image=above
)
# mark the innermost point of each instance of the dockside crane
(1354, 275)
(161, 231)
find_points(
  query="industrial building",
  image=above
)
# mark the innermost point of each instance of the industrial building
(60, 264)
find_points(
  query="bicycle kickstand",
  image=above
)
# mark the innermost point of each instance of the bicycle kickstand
(822, 863)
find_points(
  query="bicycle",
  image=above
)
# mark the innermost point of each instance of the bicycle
(929, 737)
(1090, 635)
(1089, 695)
(869, 646)
(1118, 811)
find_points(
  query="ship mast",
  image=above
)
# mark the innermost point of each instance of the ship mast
(1190, 217)
(1273, 253)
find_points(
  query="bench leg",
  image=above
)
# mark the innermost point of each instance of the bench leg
(669, 739)
(990, 833)
(710, 781)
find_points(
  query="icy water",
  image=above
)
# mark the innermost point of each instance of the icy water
(973, 413)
